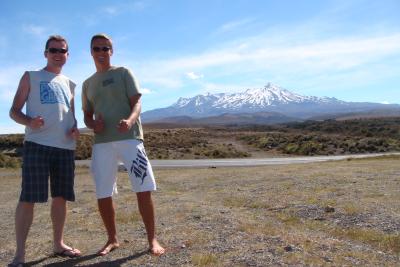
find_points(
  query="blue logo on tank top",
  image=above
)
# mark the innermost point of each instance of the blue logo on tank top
(52, 93)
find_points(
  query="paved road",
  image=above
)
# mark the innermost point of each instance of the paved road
(201, 163)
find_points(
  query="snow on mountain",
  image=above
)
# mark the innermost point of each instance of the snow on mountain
(270, 98)
(270, 95)
(196, 101)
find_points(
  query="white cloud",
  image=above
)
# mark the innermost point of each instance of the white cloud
(35, 30)
(146, 91)
(9, 79)
(111, 10)
(260, 58)
(116, 9)
(158, 78)
(233, 25)
(213, 88)
(138, 5)
(194, 76)
(15, 128)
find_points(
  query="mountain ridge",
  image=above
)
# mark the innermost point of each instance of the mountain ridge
(270, 98)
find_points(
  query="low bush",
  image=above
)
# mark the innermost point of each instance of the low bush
(9, 162)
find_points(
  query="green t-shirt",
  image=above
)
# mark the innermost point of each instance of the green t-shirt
(108, 93)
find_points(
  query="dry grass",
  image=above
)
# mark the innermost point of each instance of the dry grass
(259, 216)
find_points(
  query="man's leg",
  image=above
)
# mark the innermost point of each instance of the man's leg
(62, 172)
(107, 212)
(23, 222)
(146, 209)
(133, 154)
(58, 215)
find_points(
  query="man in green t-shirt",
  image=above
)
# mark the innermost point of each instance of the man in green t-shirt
(111, 106)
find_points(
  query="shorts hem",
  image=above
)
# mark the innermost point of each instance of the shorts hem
(33, 201)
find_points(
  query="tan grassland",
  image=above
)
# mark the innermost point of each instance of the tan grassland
(343, 213)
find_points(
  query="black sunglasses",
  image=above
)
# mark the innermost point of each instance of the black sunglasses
(57, 50)
(98, 49)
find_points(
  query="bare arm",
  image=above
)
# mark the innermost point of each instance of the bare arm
(97, 124)
(91, 121)
(73, 132)
(19, 101)
(136, 107)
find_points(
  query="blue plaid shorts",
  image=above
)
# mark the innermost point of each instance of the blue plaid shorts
(41, 162)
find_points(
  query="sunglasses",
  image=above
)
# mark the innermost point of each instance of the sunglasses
(57, 50)
(98, 49)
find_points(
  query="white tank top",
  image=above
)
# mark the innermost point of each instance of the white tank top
(50, 97)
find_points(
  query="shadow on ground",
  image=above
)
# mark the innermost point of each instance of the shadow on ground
(80, 260)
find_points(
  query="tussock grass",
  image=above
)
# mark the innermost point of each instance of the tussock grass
(380, 240)
(235, 201)
(352, 209)
(128, 217)
(288, 219)
(255, 227)
(258, 216)
(204, 260)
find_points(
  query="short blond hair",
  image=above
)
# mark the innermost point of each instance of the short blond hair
(100, 36)
(57, 38)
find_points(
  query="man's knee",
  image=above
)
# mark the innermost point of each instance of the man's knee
(59, 202)
(24, 205)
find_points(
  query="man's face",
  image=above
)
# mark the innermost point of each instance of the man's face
(56, 53)
(101, 51)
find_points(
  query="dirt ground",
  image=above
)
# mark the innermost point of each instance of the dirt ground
(343, 213)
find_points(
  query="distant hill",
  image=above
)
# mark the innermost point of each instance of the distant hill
(270, 99)
(380, 113)
(231, 119)
(172, 140)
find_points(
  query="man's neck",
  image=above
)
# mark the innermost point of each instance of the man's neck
(102, 68)
(52, 69)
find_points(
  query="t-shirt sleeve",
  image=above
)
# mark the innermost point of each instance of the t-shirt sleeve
(131, 84)
(72, 86)
(86, 106)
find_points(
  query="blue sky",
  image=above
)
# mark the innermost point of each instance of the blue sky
(346, 49)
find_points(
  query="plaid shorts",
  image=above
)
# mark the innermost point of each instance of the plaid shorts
(40, 162)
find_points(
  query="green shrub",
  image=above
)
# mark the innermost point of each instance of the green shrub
(9, 162)
(84, 147)
(291, 148)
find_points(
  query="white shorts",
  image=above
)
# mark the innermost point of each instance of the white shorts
(105, 158)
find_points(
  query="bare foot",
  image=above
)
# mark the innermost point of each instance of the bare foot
(156, 249)
(67, 251)
(108, 247)
(17, 262)
(72, 253)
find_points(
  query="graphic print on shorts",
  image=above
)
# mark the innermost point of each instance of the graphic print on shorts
(139, 165)
(52, 93)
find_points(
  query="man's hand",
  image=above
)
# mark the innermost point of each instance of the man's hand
(124, 126)
(74, 133)
(98, 124)
(36, 123)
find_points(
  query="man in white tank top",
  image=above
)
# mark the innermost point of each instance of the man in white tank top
(50, 139)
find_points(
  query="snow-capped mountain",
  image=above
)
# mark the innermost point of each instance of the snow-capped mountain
(270, 98)
(270, 95)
